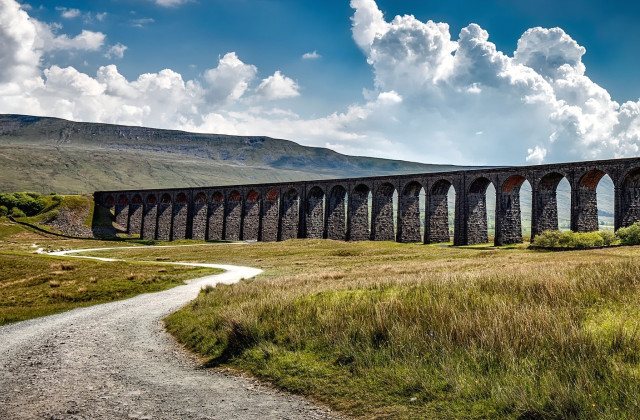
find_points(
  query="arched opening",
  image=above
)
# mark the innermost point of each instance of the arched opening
(123, 200)
(137, 199)
(199, 223)
(290, 215)
(251, 221)
(477, 220)
(270, 216)
(512, 216)
(233, 217)
(315, 213)
(409, 213)
(110, 201)
(440, 213)
(606, 204)
(166, 199)
(215, 230)
(151, 199)
(181, 198)
(630, 199)
(383, 225)
(360, 214)
(586, 208)
(552, 204)
(336, 226)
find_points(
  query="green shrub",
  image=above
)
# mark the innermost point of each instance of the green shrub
(548, 239)
(629, 235)
(30, 203)
(16, 212)
(569, 239)
(3, 211)
(609, 238)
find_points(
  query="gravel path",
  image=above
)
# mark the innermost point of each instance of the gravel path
(115, 361)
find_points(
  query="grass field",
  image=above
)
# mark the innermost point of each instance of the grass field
(33, 285)
(385, 330)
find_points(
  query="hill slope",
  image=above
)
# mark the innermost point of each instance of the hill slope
(52, 154)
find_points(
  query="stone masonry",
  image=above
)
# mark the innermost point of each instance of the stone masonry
(363, 208)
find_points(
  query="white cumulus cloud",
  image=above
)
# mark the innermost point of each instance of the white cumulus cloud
(277, 86)
(116, 51)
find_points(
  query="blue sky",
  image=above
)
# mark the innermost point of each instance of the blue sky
(440, 83)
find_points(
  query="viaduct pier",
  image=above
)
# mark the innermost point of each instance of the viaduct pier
(356, 209)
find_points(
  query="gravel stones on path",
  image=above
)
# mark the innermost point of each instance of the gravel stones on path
(115, 361)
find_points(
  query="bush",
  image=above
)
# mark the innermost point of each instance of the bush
(548, 239)
(629, 235)
(3, 211)
(30, 203)
(609, 238)
(16, 212)
(569, 239)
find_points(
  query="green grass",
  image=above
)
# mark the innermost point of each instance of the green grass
(33, 285)
(384, 330)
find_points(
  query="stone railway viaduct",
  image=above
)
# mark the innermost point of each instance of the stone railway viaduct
(358, 209)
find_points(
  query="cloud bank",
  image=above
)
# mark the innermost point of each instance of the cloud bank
(435, 98)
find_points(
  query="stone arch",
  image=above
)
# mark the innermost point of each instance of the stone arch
(336, 226)
(437, 223)
(545, 203)
(251, 219)
(181, 198)
(315, 213)
(476, 228)
(409, 213)
(109, 201)
(165, 199)
(123, 200)
(217, 197)
(509, 213)
(151, 199)
(290, 222)
(137, 199)
(359, 217)
(270, 212)
(233, 217)
(215, 230)
(199, 222)
(629, 199)
(382, 222)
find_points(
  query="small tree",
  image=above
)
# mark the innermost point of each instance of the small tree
(629, 235)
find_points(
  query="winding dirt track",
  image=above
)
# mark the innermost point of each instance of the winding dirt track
(116, 361)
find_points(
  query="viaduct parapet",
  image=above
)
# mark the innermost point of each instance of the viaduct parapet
(356, 209)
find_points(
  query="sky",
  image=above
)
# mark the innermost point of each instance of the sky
(462, 82)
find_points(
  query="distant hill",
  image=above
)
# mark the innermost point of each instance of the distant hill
(52, 154)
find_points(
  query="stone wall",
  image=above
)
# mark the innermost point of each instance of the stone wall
(251, 227)
(437, 220)
(149, 221)
(290, 221)
(359, 229)
(382, 221)
(315, 214)
(233, 221)
(135, 219)
(180, 213)
(216, 221)
(336, 215)
(199, 223)
(165, 215)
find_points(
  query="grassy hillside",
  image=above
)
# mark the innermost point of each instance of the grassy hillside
(51, 154)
